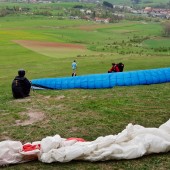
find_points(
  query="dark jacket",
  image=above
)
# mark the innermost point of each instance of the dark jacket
(20, 87)
(121, 67)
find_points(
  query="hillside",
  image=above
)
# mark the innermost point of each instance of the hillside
(134, 3)
(44, 40)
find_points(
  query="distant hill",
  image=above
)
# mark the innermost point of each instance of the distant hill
(152, 3)
(141, 2)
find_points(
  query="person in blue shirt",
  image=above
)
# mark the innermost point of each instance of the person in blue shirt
(74, 67)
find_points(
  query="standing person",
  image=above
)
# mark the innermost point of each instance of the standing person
(21, 85)
(74, 67)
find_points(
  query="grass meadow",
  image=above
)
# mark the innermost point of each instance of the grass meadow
(143, 3)
(82, 113)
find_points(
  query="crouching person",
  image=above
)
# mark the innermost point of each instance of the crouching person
(121, 67)
(21, 85)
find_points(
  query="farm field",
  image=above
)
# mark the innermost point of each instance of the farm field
(46, 47)
(141, 2)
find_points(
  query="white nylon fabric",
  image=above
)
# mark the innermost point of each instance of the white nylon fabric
(10, 152)
(133, 142)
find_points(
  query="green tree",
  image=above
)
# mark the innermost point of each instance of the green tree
(166, 29)
(107, 4)
(168, 4)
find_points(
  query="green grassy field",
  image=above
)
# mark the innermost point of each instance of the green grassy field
(141, 2)
(82, 113)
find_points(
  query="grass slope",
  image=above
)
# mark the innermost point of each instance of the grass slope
(141, 2)
(82, 113)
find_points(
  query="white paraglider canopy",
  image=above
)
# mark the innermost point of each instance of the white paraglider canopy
(133, 142)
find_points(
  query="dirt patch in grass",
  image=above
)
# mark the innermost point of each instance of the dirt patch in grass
(33, 116)
(31, 44)
(60, 97)
(24, 100)
(4, 137)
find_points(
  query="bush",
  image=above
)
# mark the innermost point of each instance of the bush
(166, 29)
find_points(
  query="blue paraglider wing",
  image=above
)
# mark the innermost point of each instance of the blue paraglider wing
(106, 80)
